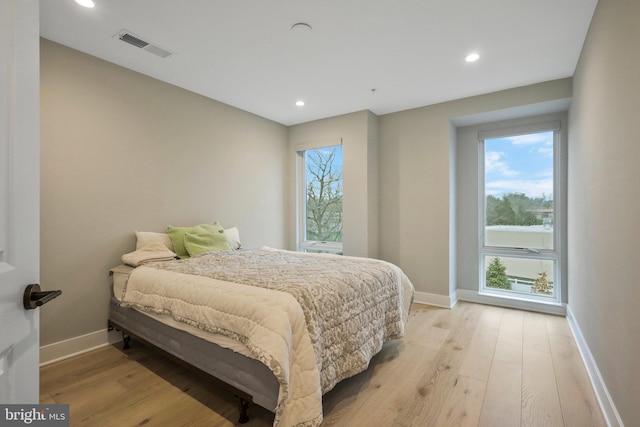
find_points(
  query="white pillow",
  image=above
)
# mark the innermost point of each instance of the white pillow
(146, 238)
(233, 236)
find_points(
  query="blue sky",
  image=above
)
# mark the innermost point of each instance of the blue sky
(520, 164)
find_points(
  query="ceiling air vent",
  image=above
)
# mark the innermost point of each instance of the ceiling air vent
(132, 39)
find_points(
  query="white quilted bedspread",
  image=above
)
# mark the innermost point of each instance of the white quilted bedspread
(313, 319)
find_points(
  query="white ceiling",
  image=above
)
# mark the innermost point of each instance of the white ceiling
(411, 52)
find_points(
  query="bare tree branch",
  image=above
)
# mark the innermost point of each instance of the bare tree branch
(324, 195)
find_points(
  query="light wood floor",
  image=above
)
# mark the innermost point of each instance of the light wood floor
(474, 365)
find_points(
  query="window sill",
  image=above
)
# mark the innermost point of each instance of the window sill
(512, 301)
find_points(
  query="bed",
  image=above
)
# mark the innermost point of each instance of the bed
(280, 327)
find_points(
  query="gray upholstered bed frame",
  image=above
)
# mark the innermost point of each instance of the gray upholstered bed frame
(251, 380)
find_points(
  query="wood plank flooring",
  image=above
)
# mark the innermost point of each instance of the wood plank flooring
(473, 365)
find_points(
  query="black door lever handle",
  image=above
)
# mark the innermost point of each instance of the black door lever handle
(34, 297)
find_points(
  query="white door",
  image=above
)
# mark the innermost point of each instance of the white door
(19, 199)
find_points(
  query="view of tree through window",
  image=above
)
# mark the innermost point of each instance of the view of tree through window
(519, 213)
(518, 209)
(324, 194)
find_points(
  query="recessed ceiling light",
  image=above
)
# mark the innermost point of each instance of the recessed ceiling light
(300, 103)
(472, 57)
(86, 3)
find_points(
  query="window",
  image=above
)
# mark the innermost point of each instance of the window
(519, 216)
(320, 198)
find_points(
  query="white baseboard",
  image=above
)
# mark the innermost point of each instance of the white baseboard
(611, 415)
(517, 303)
(435, 299)
(74, 346)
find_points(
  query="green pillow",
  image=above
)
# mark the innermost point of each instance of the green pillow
(176, 234)
(205, 241)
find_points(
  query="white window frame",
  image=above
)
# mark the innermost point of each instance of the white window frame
(304, 245)
(557, 253)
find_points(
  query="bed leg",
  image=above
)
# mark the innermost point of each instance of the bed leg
(244, 417)
(127, 341)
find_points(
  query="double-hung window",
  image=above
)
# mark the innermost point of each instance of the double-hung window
(520, 222)
(319, 209)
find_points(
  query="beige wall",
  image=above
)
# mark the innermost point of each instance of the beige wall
(604, 207)
(417, 224)
(124, 152)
